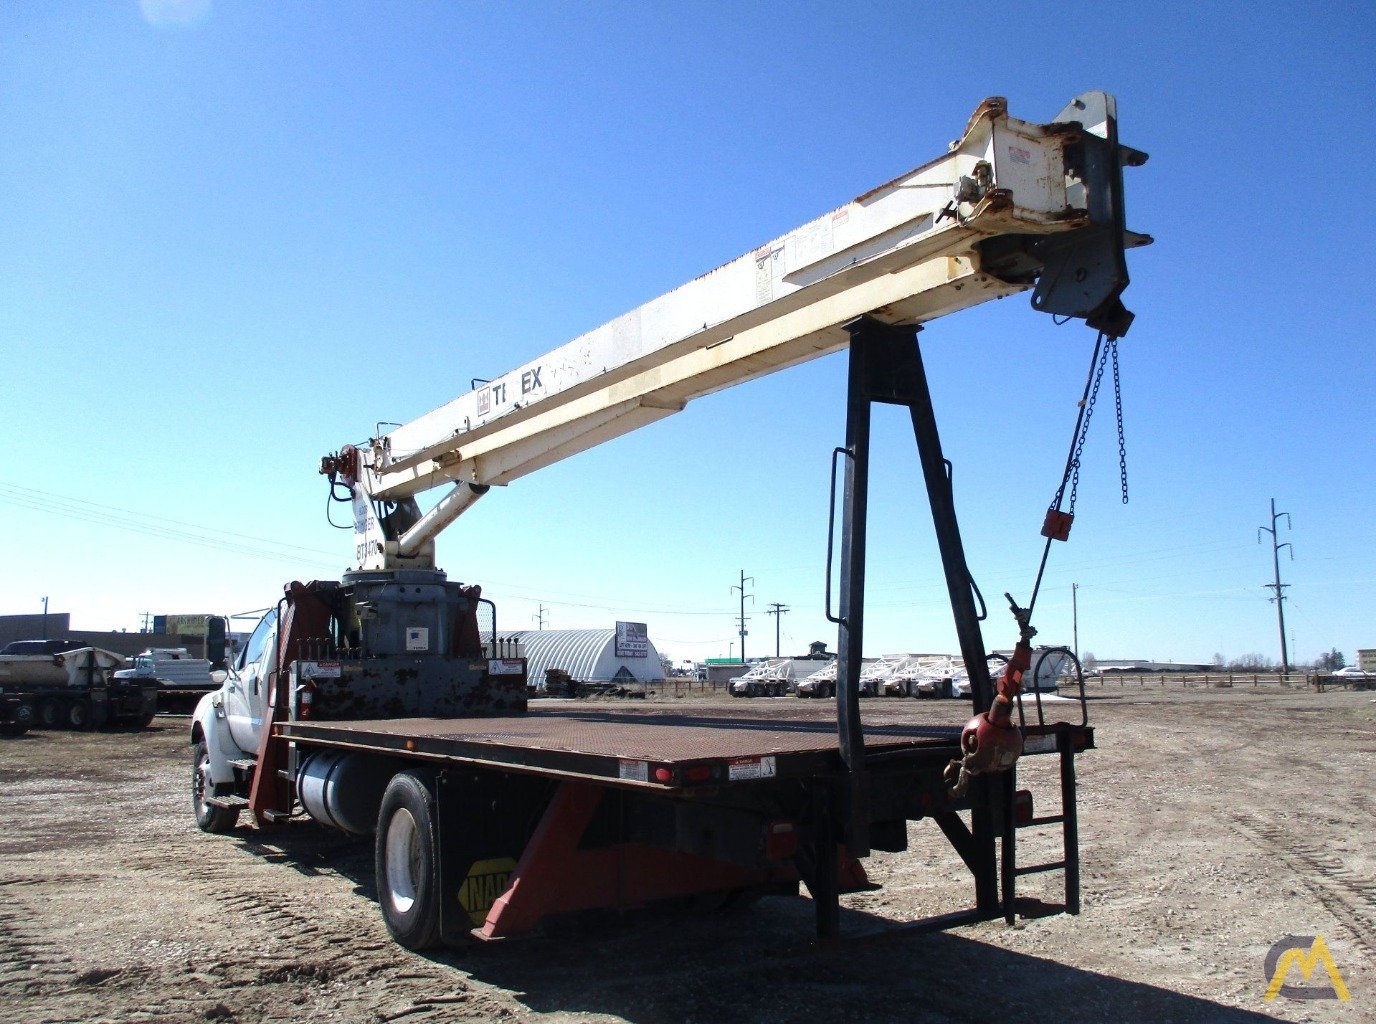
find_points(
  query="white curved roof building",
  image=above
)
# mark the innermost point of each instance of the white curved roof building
(587, 655)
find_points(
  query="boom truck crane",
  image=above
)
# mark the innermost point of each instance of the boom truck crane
(375, 704)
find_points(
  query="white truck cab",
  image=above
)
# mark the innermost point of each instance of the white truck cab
(229, 720)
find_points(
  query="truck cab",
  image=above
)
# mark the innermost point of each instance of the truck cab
(229, 721)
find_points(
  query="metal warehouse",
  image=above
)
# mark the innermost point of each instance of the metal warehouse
(587, 655)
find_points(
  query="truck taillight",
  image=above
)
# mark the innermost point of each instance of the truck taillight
(305, 704)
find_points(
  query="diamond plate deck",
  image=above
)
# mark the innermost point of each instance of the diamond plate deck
(593, 743)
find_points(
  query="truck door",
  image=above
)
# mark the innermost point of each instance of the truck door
(246, 690)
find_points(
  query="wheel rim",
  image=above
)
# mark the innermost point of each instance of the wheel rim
(200, 783)
(403, 860)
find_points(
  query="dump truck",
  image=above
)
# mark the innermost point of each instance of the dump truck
(68, 684)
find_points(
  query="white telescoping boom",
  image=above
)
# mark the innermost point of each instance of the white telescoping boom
(1011, 206)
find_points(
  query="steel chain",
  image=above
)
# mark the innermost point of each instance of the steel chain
(1084, 428)
(1122, 441)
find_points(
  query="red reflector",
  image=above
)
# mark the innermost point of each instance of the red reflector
(1081, 741)
(699, 773)
(781, 840)
(1022, 806)
(664, 775)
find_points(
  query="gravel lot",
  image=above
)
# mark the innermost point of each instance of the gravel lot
(1213, 823)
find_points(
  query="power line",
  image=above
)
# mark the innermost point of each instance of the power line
(157, 527)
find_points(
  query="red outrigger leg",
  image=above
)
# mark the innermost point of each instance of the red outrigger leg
(555, 876)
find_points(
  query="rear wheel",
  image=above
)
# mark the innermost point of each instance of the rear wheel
(406, 863)
(50, 714)
(208, 817)
(79, 714)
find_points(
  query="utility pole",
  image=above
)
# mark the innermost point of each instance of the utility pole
(777, 610)
(539, 618)
(45, 618)
(741, 623)
(1075, 619)
(1278, 586)
(147, 620)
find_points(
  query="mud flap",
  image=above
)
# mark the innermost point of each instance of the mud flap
(478, 844)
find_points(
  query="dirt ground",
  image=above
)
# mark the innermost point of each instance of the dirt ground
(1213, 824)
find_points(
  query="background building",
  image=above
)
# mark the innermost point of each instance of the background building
(590, 655)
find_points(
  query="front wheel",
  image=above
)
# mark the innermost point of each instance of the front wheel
(21, 721)
(209, 818)
(406, 862)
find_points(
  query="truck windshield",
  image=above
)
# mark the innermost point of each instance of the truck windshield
(253, 650)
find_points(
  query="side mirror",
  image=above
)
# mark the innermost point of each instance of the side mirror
(216, 634)
(218, 676)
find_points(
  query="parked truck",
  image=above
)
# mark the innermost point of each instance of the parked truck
(70, 684)
(181, 679)
(373, 704)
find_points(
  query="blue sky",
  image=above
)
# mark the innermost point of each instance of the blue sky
(234, 240)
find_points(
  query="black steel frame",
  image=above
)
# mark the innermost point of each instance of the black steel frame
(886, 366)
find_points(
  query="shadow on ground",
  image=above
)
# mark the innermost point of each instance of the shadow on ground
(760, 964)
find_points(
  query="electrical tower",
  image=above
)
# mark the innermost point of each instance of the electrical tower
(1278, 587)
(778, 611)
(741, 622)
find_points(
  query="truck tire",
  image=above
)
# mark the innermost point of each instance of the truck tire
(21, 721)
(407, 864)
(208, 818)
(79, 714)
(50, 714)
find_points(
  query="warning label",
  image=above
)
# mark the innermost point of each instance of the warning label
(750, 768)
(636, 771)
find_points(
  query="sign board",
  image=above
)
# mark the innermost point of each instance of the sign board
(180, 625)
(632, 640)
(1366, 659)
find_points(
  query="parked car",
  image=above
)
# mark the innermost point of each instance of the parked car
(1353, 672)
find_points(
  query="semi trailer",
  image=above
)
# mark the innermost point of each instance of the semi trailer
(374, 705)
(69, 684)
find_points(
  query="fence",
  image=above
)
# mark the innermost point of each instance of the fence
(1224, 679)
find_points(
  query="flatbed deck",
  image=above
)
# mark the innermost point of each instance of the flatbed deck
(660, 749)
